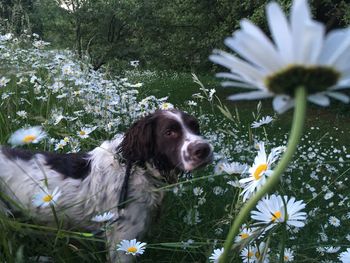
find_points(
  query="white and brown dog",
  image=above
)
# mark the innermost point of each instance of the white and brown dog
(120, 176)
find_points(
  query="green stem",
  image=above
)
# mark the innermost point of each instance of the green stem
(283, 242)
(294, 138)
(284, 232)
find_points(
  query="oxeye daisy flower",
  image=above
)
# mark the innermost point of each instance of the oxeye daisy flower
(131, 247)
(166, 106)
(344, 257)
(261, 122)
(103, 217)
(271, 210)
(261, 169)
(27, 136)
(255, 254)
(44, 198)
(301, 54)
(334, 221)
(330, 249)
(85, 132)
(288, 255)
(233, 168)
(244, 233)
(60, 145)
(4, 81)
(216, 255)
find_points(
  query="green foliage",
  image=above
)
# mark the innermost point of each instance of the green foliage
(164, 34)
(14, 16)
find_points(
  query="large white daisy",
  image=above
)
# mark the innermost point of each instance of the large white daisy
(271, 210)
(44, 197)
(27, 136)
(131, 247)
(301, 54)
(216, 255)
(261, 169)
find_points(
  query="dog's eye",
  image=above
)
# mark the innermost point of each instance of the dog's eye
(171, 133)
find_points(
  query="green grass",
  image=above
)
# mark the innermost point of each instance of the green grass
(331, 122)
(326, 131)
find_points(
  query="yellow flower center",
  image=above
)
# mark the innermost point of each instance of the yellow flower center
(132, 249)
(244, 235)
(82, 133)
(276, 215)
(257, 255)
(286, 258)
(47, 198)
(259, 170)
(29, 138)
(250, 254)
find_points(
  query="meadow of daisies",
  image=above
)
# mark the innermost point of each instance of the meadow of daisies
(52, 101)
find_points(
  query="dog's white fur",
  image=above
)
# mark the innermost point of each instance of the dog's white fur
(99, 192)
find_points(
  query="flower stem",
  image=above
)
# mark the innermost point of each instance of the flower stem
(294, 138)
(283, 242)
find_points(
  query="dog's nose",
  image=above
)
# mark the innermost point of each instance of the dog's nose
(201, 150)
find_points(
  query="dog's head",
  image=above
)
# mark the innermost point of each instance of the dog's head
(170, 139)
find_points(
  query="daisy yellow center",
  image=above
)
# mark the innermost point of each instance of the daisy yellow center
(244, 235)
(250, 254)
(47, 198)
(257, 255)
(286, 258)
(276, 215)
(29, 138)
(82, 133)
(313, 78)
(259, 170)
(132, 249)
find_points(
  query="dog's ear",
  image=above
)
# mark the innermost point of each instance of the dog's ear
(138, 142)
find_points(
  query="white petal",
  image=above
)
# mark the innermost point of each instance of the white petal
(307, 34)
(337, 46)
(343, 84)
(282, 103)
(319, 99)
(236, 84)
(300, 12)
(333, 39)
(249, 37)
(238, 66)
(237, 78)
(251, 95)
(228, 75)
(280, 31)
(264, 56)
(309, 45)
(252, 29)
(339, 96)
